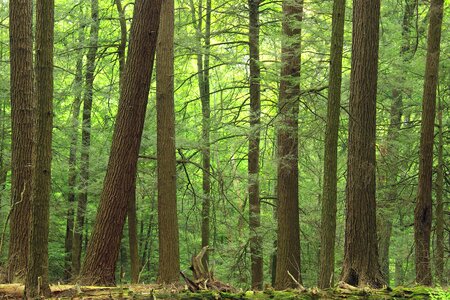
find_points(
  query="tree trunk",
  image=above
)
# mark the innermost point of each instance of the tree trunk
(103, 248)
(288, 242)
(253, 149)
(36, 283)
(131, 214)
(361, 266)
(204, 87)
(169, 256)
(85, 140)
(440, 222)
(423, 210)
(22, 107)
(72, 181)
(328, 218)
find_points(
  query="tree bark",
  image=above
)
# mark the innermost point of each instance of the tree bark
(73, 173)
(22, 107)
(36, 283)
(131, 214)
(423, 210)
(329, 201)
(253, 149)
(85, 140)
(361, 266)
(169, 256)
(104, 244)
(288, 242)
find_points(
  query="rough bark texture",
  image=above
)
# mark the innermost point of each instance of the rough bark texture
(104, 244)
(423, 210)
(288, 242)
(440, 221)
(73, 173)
(22, 106)
(169, 254)
(36, 282)
(253, 149)
(85, 140)
(361, 266)
(328, 218)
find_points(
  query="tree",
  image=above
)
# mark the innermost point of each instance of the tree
(253, 148)
(131, 214)
(104, 244)
(203, 58)
(36, 283)
(423, 210)
(288, 242)
(73, 172)
(22, 106)
(85, 139)
(361, 266)
(328, 225)
(169, 256)
(390, 155)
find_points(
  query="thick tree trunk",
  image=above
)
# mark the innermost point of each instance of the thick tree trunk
(423, 210)
(36, 283)
(361, 266)
(169, 255)
(22, 107)
(85, 140)
(253, 149)
(131, 215)
(329, 206)
(288, 242)
(103, 249)
(72, 181)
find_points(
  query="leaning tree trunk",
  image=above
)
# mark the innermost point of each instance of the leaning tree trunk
(288, 242)
(85, 140)
(169, 254)
(253, 149)
(131, 213)
(329, 201)
(423, 210)
(22, 106)
(361, 266)
(36, 283)
(103, 248)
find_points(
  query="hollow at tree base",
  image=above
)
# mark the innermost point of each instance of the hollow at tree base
(15, 291)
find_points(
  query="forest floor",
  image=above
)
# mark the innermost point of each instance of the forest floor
(154, 292)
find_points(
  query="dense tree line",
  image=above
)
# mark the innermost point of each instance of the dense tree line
(302, 142)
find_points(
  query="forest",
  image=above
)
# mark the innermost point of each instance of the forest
(224, 148)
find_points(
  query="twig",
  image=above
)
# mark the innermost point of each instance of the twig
(299, 286)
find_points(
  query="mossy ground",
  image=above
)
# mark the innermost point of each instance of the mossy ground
(154, 292)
